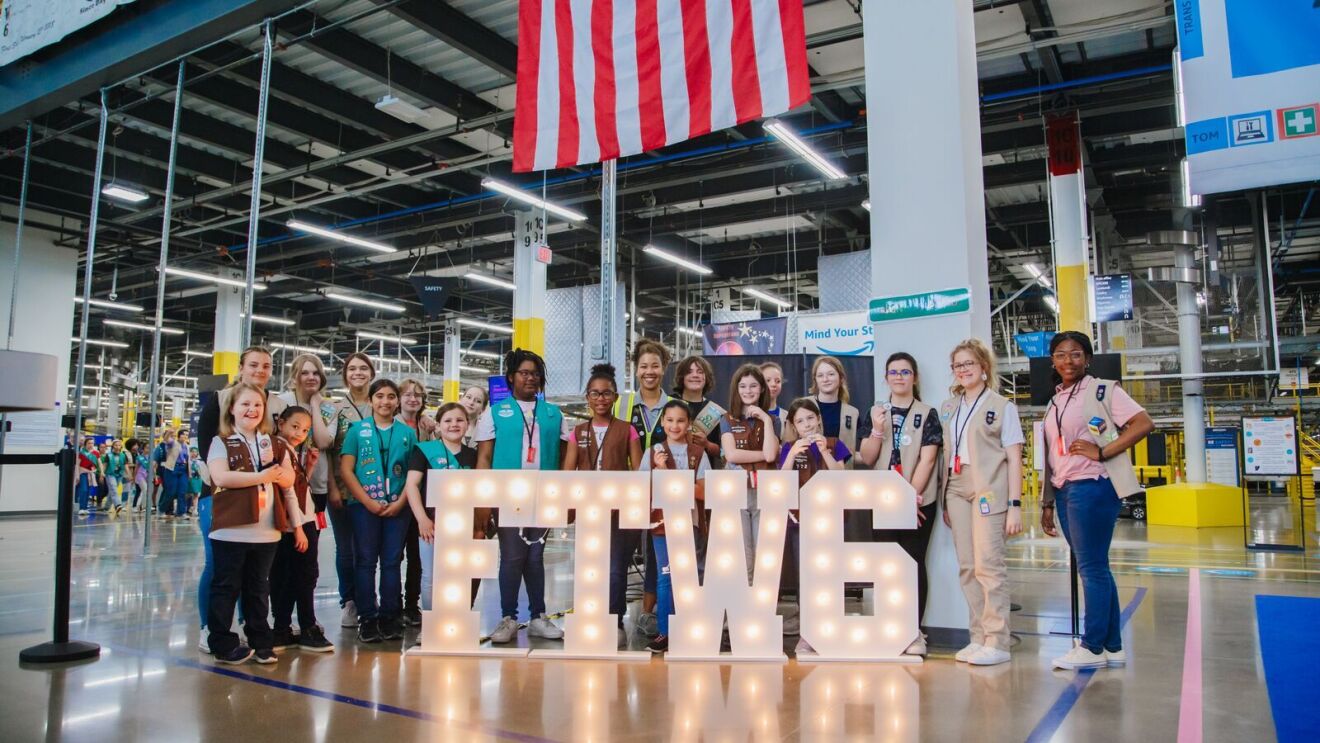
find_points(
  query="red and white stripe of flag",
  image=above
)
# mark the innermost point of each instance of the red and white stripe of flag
(602, 79)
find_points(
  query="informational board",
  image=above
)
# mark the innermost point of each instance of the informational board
(1221, 455)
(1113, 297)
(36, 430)
(1250, 79)
(1269, 447)
(29, 25)
(1294, 379)
(836, 334)
(497, 388)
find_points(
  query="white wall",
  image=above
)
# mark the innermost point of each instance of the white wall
(45, 317)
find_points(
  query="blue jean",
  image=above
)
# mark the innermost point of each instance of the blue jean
(204, 583)
(342, 526)
(112, 497)
(1087, 511)
(83, 490)
(378, 541)
(521, 563)
(664, 587)
(173, 490)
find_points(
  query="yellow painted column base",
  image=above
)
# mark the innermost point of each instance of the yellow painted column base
(1197, 505)
(1071, 295)
(529, 334)
(225, 362)
(452, 390)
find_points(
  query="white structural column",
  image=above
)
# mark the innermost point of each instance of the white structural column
(453, 351)
(1188, 279)
(1068, 221)
(927, 206)
(228, 342)
(529, 275)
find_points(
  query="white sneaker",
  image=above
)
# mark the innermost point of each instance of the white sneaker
(349, 617)
(542, 627)
(918, 646)
(1114, 658)
(962, 655)
(988, 656)
(505, 631)
(1079, 657)
(204, 642)
(82, 511)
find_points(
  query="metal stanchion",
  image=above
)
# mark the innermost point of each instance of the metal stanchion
(1076, 612)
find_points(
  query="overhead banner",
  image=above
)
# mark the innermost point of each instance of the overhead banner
(29, 25)
(1250, 77)
(433, 293)
(747, 337)
(837, 334)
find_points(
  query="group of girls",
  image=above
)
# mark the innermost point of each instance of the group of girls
(107, 475)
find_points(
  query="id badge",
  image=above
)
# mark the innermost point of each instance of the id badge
(957, 464)
(985, 506)
(321, 522)
(1063, 448)
(898, 468)
(531, 454)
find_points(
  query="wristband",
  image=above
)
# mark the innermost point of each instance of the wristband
(1015, 504)
(1101, 452)
(877, 435)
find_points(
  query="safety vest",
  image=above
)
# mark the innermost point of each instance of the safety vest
(628, 407)
(510, 433)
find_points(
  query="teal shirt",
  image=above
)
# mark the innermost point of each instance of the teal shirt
(380, 458)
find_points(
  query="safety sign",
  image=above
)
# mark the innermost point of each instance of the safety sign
(1295, 123)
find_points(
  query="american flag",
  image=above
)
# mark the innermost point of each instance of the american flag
(601, 79)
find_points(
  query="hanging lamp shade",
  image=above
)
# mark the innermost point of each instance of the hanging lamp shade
(30, 381)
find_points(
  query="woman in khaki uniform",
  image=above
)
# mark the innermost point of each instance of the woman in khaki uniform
(982, 495)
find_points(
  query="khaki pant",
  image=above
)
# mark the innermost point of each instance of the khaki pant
(979, 541)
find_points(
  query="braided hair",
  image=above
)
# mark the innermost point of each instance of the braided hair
(516, 358)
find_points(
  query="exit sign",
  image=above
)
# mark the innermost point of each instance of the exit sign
(543, 254)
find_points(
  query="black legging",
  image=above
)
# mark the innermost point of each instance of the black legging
(914, 542)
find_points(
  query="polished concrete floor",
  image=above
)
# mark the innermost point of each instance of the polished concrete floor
(151, 683)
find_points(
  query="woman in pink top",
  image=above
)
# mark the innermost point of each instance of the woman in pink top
(1089, 427)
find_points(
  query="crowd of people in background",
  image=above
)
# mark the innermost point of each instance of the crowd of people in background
(271, 471)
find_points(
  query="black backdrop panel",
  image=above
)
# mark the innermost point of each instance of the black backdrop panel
(860, 371)
(1103, 365)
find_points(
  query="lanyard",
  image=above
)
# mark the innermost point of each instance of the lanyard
(959, 430)
(528, 427)
(1058, 415)
(895, 428)
(382, 445)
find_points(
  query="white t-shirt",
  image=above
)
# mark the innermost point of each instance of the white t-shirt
(1010, 433)
(680, 454)
(264, 530)
(486, 431)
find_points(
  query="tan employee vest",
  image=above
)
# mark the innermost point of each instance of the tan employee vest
(988, 465)
(910, 453)
(1119, 467)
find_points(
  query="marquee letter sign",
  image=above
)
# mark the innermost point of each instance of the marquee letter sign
(702, 602)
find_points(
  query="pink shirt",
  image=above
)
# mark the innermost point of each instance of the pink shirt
(1068, 467)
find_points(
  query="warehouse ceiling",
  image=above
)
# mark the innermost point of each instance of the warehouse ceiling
(744, 206)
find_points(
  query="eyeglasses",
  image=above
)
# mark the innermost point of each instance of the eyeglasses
(600, 394)
(528, 374)
(899, 372)
(963, 365)
(1068, 356)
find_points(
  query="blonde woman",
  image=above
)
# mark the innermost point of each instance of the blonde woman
(829, 389)
(982, 495)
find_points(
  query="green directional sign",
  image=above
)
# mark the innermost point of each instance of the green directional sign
(926, 304)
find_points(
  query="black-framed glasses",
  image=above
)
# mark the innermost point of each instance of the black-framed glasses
(528, 373)
(601, 394)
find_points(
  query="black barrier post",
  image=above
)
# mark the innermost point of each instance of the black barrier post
(1076, 614)
(61, 649)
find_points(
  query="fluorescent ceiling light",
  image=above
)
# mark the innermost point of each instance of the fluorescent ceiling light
(492, 280)
(199, 354)
(474, 369)
(365, 302)
(1052, 303)
(1038, 275)
(339, 236)
(665, 255)
(804, 150)
(866, 204)
(109, 305)
(183, 377)
(527, 198)
(396, 362)
(141, 326)
(485, 326)
(480, 354)
(269, 319)
(108, 344)
(301, 349)
(399, 109)
(223, 280)
(690, 331)
(124, 193)
(87, 388)
(387, 338)
(764, 296)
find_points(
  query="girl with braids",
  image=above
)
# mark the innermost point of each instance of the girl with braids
(522, 432)
(609, 444)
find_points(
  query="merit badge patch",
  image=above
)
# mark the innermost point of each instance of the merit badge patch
(1100, 392)
(398, 469)
(506, 413)
(916, 421)
(1097, 426)
(847, 421)
(989, 417)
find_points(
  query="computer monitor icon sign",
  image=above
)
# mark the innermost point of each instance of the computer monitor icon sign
(1250, 129)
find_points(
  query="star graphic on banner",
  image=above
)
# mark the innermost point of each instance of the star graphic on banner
(745, 330)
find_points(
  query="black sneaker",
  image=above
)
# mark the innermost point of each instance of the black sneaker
(266, 656)
(369, 631)
(391, 628)
(659, 645)
(284, 638)
(313, 639)
(412, 617)
(234, 657)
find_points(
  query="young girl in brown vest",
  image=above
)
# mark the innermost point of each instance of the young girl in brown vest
(606, 443)
(809, 452)
(675, 452)
(750, 441)
(246, 524)
(982, 495)
(294, 574)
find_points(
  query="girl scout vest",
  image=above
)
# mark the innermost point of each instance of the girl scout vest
(510, 433)
(986, 466)
(848, 417)
(372, 465)
(301, 485)
(629, 407)
(693, 461)
(613, 449)
(909, 448)
(440, 458)
(748, 433)
(808, 464)
(242, 506)
(1118, 467)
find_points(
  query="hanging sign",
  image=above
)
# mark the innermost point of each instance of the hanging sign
(1113, 297)
(29, 25)
(1270, 446)
(925, 304)
(747, 337)
(433, 292)
(1298, 378)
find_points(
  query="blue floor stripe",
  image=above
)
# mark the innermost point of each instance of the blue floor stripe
(1058, 711)
(1289, 646)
